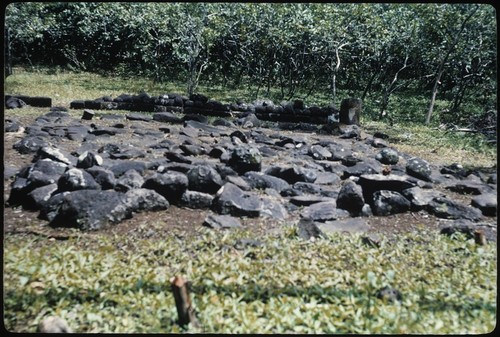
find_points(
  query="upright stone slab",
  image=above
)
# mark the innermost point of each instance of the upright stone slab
(350, 111)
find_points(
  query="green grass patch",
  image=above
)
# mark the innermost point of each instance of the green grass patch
(285, 286)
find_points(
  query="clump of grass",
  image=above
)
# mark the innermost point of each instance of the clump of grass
(287, 285)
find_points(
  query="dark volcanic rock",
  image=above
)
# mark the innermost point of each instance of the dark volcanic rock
(262, 181)
(128, 181)
(307, 200)
(487, 203)
(45, 172)
(449, 209)
(293, 174)
(204, 178)
(196, 199)
(170, 184)
(469, 187)
(232, 200)
(121, 168)
(142, 199)
(55, 154)
(221, 221)
(90, 209)
(389, 202)
(167, 117)
(103, 177)
(370, 183)
(387, 156)
(420, 198)
(324, 211)
(419, 168)
(77, 179)
(351, 198)
(245, 158)
(306, 229)
(37, 198)
(30, 144)
(88, 159)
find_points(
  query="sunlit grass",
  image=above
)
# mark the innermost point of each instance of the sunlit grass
(286, 285)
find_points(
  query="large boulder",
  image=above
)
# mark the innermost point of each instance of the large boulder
(204, 178)
(449, 209)
(245, 158)
(324, 211)
(351, 198)
(170, 184)
(389, 202)
(230, 199)
(77, 179)
(419, 168)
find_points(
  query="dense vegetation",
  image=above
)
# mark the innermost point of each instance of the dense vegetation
(437, 51)
(120, 284)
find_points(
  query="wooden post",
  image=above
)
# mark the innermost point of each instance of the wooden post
(185, 309)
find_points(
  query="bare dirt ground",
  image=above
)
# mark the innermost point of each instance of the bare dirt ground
(183, 221)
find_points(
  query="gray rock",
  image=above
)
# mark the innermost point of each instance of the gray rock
(103, 177)
(419, 168)
(362, 168)
(324, 211)
(487, 203)
(370, 183)
(469, 187)
(139, 117)
(449, 209)
(167, 117)
(230, 199)
(204, 178)
(307, 188)
(128, 154)
(196, 200)
(349, 225)
(389, 202)
(37, 198)
(307, 200)
(307, 229)
(90, 209)
(89, 159)
(262, 181)
(142, 199)
(245, 158)
(293, 174)
(53, 324)
(318, 152)
(170, 184)
(128, 181)
(326, 178)
(77, 179)
(30, 144)
(88, 114)
(420, 198)
(55, 154)
(221, 221)
(121, 168)
(351, 198)
(389, 294)
(45, 172)
(387, 156)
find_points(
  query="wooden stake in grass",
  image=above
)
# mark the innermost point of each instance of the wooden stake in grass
(183, 303)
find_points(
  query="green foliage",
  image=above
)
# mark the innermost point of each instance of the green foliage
(295, 50)
(104, 284)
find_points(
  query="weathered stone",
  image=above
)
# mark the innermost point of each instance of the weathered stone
(90, 209)
(449, 209)
(389, 202)
(221, 221)
(77, 179)
(370, 183)
(128, 154)
(196, 199)
(30, 144)
(138, 117)
(45, 172)
(53, 324)
(167, 117)
(387, 156)
(308, 188)
(121, 168)
(350, 111)
(128, 181)
(88, 114)
(362, 168)
(320, 153)
(419, 168)
(487, 203)
(245, 158)
(192, 150)
(142, 199)
(11, 125)
(170, 184)
(349, 225)
(326, 178)
(469, 187)
(420, 198)
(324, 211)
(103, 177)
(351, 198)
(204, 178)
(262, 181)
(293, 174)
(55, 154)
(307, 200)
(307, 229)
(232, 200)
(88, 159)
(37, 198)
(389, 294)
